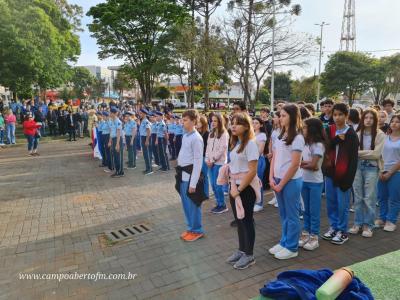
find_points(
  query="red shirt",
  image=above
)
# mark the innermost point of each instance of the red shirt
(30, 127)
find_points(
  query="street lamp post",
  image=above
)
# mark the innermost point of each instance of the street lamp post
(320, 59)
(273, 58)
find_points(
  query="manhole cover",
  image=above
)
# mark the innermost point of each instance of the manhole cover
(127, 232)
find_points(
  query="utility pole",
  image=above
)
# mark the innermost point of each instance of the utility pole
(348, 36)
(320, 59)
(273, 57)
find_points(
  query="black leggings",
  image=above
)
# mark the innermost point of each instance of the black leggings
(246, 231)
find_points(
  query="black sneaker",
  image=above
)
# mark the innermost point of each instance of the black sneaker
(219, 209)
(234, 223)
(115, 175)
(340, 238)
(329, 235)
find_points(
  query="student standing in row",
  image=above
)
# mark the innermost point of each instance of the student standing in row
(286, 180)
(154, 148)
(216, 156)
(162, 141)
(202, 128)
(145, 135)
(389, 179)
(243, 168)
(276, 131)
(178, 135)
(191, 155)
(340, 172)
(116, 144)
(369, 162)
(261, 139)
(130, 129)
(313, 181)
(105, 137)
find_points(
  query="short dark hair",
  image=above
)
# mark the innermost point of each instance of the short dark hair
(192, 114)
(322, 103)
(241, 104)
(266, 109)
(310, 107)
(354, 116)
(388, 101)
(329, 101)
(342, 107)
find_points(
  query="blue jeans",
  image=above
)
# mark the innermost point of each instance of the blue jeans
(311, 194)
(289, 208)
(337, 204)
(389, 198)
(261, 165)
(32, 142)
(162, 153)
(191, 211)
(364, 186)
(1, 136)
(118, 156)
(146, 154)
(218, 189)
(204, 170)
(131, 151)
(11, 133)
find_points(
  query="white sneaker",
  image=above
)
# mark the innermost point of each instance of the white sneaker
(367, 232)
(275, 249)
(276, 204)
(272, 201)
(258, 208)
(389, 226)
(312, 243)
(286, 254)
(305, 237)
(355, 229)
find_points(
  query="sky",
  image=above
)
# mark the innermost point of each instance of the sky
(377, 27)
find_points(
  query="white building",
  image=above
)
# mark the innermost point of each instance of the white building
(106, 74)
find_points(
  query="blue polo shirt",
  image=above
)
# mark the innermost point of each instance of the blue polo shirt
(129, 126)
(114, 126)
(171, 128)
(161, 129)
(105, 127)
(144, 125)
(179, 129)
(154, 128)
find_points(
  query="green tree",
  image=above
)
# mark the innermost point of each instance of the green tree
(141, 32)
(123, 82)
(347, 73)
(37, 43)
(283, 83)
(162, 92)
(81, 79)
(305, 89)
(264, 96)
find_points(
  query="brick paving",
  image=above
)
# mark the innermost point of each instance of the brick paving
(54, 208)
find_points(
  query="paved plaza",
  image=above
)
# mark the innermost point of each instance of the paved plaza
(54, 210)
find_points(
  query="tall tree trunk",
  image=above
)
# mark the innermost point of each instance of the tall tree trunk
(247, 96)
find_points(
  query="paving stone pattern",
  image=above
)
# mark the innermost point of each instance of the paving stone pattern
(53, 208)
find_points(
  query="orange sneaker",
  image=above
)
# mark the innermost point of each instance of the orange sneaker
(185, 233)
(191, 237)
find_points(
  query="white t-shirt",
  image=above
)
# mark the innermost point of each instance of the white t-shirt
(309, 152)
(261, 137)
(283, 156)
(240, 161)
(274, 136)
(390, 153)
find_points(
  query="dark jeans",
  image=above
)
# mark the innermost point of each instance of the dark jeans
(53, 129)
(154, 149)
(171, 146)
(162, 153)
(178, 144)
(71, 132)
(118, 156)
(146, 154)
(107, 158)
(32, 142)
(246, 231)
(131, 151)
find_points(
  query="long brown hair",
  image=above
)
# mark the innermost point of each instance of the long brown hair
(220, 127)
(204, 124)
(294, 125)
(374, 128)
(244, 120)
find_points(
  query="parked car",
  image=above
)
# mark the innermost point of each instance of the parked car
(177, 103)
(199, 105)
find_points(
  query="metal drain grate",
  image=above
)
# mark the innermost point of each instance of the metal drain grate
(127, 232)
